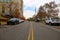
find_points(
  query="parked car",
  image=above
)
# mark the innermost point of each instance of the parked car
(37, 20)
(51, 21)
(20, 20)
(14, 21)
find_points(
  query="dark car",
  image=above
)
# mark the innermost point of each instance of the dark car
(14, 21)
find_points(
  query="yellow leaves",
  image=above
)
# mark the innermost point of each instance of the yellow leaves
(16, 13)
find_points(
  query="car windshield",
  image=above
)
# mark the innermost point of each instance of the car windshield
(13, 19)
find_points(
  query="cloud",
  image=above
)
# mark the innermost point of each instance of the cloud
(28, 14)
(29, 6)
(29, 2)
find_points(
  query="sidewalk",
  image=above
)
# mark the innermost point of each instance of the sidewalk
(3, 23)
(54, 26)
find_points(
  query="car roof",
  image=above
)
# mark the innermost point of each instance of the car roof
(14, 19)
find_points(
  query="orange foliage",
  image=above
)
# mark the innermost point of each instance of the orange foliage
(23, 18)
(16, 13)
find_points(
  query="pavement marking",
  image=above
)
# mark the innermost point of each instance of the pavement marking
(31, 32)
(32, 35)
(29, 36)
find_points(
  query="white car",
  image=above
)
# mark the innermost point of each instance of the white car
(52, 21)
(20, 20)
(37, 20)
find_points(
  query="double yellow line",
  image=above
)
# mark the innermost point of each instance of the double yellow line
(31, 32)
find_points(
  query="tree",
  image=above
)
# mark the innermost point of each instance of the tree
(16, 13)
(47, 10)
(23, 18)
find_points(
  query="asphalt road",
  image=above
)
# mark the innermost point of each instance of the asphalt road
(28, 31)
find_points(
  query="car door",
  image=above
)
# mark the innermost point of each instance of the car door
(47, 20)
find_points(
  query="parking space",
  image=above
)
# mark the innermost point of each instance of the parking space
(57, 26)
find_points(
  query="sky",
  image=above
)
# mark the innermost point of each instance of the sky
(29, 6)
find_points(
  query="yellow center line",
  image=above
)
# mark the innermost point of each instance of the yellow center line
(32, 35)
(29, 36)
(31, 32)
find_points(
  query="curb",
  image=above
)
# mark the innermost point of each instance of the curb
(55, 29)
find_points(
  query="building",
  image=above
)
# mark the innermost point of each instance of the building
(18, 5)
(9, 6)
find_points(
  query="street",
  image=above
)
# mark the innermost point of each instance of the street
(28, 31)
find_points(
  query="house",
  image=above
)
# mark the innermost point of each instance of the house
(8, 8)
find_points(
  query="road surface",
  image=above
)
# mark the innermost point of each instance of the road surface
(28, 31)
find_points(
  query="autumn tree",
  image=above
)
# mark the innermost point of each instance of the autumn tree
(16, 13)
(23, 18)
(47, 10)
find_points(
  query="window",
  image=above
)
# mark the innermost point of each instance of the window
(5, 0)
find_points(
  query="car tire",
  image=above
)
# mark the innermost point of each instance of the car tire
(50, 23)
(46, 23)
(8, 23)
(15, 23)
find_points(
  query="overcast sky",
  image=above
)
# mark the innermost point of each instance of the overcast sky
(31, 5)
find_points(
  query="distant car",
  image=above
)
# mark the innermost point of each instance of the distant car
(14, 21)
(37, 20)
(52, 21)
